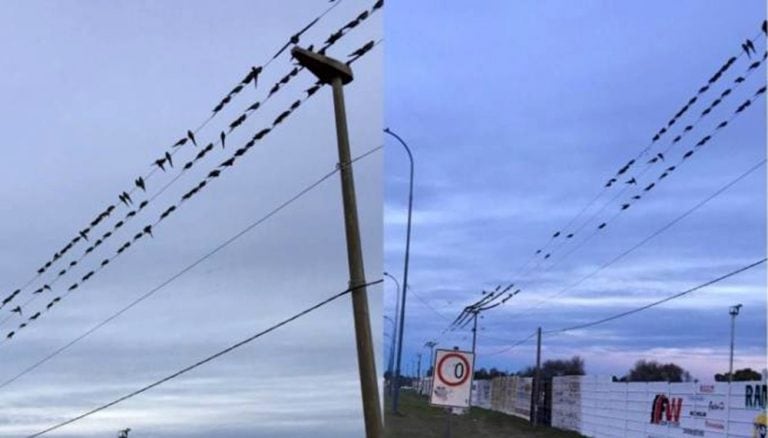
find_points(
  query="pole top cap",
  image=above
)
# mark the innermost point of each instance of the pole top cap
(325, 68)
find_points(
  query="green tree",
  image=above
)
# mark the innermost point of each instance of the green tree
(559, 367)
(742, 375)
(652, 371)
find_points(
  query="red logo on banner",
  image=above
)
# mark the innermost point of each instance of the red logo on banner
(666, 410)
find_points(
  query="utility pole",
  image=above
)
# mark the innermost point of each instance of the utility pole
(336, 73)
(393, 349)
(474, 334)
(418, 372)
(431, 345)
(734, 312)
(536, 382)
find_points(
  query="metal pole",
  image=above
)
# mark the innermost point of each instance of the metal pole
(733, 311)
(365, 355)
(418, 371)
(474, 337)
(394, 336)
(396, 397)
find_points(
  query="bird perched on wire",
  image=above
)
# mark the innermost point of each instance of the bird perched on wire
(747, 46)
(140, 184)
(631, 181)
(17, 309)
(35, 316)
(125, 198)
(191, 137)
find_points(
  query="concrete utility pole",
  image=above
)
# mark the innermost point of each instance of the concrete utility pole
(734, 312)
(336, 73)
(536, 382)
(418, 371)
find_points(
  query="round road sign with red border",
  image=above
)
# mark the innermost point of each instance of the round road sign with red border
(465, 366)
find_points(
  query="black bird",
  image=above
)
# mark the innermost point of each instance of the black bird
(222, 137)
(377, 5)
(38, 291)
(745, 48)
(104, 262)
(137, 236)
(122, 198)
(656, 137)
(254, 107)
(236, 90)
(255, 71)
(649, 187)
(556, 234)
(334, 37)
(183, 141)
(169, 159)
(547, 256)
(119, 224)
(765, 27)
(35, 316)
(362, 50)
(191, 135)
(671, 168)
(10, 335)
(143, 204)
(239, 121)
(214, 173)
(259, 135)
(312, 90)
(722, 124)
(703, 89)
(189, 165)
(750, 46)
(706, 111)
(148, 230)
(140, 184)
(569, 236)
(87, 276)
(227, 163)
(22, 325)
(130, 214)
(83, 235)
(688, 128)
(295, 105)
(274, 89)
(281, 117)
(170, 210)
(636, 197)
(687, 154)
(538, 251)
(73, 287)
(625, 206)
(610, 182)
(754, 65)
(64, 271)
(601, 226)
(760, 91)
(631, 181)
(240, 152)
(17, 309)
(739, 80)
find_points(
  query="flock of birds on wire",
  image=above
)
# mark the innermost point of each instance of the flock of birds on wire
(165, 163)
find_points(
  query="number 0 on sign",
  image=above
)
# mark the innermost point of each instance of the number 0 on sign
(452, 379)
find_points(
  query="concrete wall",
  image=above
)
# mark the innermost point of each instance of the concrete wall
(596, 407)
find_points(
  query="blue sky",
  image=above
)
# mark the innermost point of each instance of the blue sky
(518, 113)
(93, 93)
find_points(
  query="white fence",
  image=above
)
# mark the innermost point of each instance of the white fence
(599, 408)
(510, 395)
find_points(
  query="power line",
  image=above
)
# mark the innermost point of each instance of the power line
(206, 360)
(656, 303)
(651, 236)
(186, 269)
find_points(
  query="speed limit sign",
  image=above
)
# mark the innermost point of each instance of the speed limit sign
(452, 378)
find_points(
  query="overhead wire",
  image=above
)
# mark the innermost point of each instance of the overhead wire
(206, 360)
(303, 192)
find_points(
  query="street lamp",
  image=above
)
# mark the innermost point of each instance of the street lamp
(733, 311)
(396, 395)
(394, 334)
(337, 73)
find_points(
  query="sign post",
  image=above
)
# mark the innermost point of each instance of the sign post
(452, 379)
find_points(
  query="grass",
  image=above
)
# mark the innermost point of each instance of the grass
(418, 419)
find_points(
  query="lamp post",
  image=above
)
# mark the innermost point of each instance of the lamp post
(394, 335)
(396, 395)
(336, 73)
(733, 311)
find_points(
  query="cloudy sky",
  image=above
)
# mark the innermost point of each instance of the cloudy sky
(518, 113)
(93, 93)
